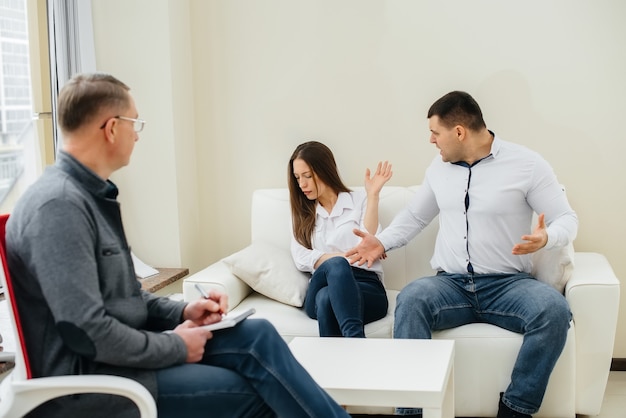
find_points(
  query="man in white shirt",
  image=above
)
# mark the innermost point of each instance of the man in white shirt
(485, 191)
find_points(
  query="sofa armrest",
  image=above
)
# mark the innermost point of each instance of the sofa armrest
(217, 276)
(593, 294)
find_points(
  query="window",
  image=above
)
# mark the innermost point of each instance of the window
(22, 136)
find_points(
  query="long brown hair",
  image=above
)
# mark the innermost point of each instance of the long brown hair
(322, 163)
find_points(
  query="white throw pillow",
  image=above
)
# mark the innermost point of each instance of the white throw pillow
(270, 271)
(554, 266)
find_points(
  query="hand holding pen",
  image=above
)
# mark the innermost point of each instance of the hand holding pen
(219, 298)
(207, 310)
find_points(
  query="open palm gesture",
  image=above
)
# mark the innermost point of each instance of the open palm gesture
(373, 184)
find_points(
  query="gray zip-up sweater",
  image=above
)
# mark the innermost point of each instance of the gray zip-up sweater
(82, 309)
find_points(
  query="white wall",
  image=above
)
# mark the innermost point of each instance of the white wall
(230, 87)
(147, 45)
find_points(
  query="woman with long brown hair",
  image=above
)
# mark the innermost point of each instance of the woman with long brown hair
(342, 297)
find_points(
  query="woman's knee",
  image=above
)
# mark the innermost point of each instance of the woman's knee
(336, 264)
(322, 301)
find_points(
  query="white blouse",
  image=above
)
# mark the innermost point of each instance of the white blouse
(334, 232)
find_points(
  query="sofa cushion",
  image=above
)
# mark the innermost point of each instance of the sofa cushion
(270, 271)
(554, 266)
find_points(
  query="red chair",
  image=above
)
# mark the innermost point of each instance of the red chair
(21, 393)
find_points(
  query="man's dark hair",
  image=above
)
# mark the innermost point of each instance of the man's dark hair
(84, 96)
(458, 108)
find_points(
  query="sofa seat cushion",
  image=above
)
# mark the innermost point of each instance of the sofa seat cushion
(291, 321)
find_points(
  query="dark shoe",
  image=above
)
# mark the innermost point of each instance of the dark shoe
(506, 412)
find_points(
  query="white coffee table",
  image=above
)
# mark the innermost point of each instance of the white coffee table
(382, 372)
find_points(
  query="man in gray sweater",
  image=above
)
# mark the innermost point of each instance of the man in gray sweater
(84, 312)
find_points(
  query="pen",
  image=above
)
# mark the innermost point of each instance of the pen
(202, 291)
(204, 294)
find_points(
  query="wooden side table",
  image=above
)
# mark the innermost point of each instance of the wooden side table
(165, 277)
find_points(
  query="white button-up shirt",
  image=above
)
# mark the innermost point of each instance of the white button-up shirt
(333, 232)
(505, 189)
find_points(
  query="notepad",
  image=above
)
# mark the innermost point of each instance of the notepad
(229, 321)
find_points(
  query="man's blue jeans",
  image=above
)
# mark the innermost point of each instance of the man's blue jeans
(344, 298)
(516, 302)
(247, 371)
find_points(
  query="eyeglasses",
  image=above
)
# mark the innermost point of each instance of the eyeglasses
(138, 124)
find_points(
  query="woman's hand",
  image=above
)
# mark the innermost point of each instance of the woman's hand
(373, 184)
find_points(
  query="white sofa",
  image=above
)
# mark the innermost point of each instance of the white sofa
(485, 354)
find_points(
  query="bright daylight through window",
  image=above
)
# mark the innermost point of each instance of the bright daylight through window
(17, 128)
